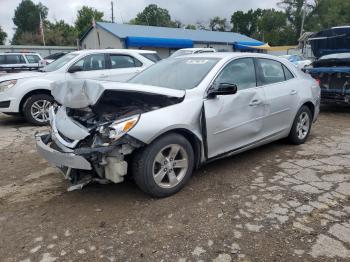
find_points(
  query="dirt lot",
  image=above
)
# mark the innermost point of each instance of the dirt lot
(276, 203)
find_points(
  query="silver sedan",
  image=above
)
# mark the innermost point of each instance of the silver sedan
(175, 116)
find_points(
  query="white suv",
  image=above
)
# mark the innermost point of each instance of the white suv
(10, 62)
(29, 93)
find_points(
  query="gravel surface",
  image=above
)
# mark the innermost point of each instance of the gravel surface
(275, 203)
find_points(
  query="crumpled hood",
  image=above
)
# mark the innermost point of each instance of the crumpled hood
(83, 93)
(20, 75)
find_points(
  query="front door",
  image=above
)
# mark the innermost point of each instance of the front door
(90, 67)
(235, 121)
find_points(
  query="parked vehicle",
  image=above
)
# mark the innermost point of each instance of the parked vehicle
(11, 62)
(298, 60)
(29, 93)
(190, 51)
(333, 73)
(174, 116)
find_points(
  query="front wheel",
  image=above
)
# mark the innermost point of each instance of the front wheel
(301, 127)
(36, 109)
(162, 168)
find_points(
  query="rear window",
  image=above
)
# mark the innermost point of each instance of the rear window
(2, 60)
(153, 57)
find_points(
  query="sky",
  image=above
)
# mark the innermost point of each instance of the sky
(187, 11)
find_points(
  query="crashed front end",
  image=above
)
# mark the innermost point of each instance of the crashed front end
(89, 140)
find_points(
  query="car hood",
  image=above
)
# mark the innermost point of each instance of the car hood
(20, 75)
(83, 93)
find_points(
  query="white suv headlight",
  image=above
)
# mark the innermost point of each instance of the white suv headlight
(119, 128)
(4, 85)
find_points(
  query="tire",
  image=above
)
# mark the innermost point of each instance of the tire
(299, 134)
(33, 105)
(149, 162)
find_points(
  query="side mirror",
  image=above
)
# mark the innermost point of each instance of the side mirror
(222, 89)
(74, 69)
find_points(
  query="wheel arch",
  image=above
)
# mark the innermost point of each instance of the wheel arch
(192, 138)
(29, 94)
(311, 106)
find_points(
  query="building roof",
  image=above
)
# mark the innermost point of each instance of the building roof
(125, 30)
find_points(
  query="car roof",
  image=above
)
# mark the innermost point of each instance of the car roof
(223, 55)
(124, 51)
(19, 53)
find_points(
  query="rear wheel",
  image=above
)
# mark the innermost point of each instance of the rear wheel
(36, 109)
(301, 127)
(162, 168)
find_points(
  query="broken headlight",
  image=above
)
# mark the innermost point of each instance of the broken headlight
(120, 127)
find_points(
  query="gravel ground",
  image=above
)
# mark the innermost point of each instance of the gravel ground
(275, 203)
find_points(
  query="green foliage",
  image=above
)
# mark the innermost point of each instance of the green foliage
(245, 23)
(218, 24)
(3, 36)
(60, 34)
(154, 16)
(27, 19)
(85, 17)
(189, 26)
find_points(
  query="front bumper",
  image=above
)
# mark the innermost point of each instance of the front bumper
(57, 158)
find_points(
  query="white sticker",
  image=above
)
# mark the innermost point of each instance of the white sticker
(196, 62)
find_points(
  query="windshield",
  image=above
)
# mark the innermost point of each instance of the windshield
(57, 64)
(176, 73)
(336, 56)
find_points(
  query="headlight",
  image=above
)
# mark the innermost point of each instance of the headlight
(120, 127)
(7, 84)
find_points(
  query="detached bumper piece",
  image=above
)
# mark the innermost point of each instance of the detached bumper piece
(57, 158)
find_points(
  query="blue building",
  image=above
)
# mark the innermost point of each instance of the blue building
(164, 40)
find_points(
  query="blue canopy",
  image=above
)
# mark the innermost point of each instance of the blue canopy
(158, 42)
(246, 45)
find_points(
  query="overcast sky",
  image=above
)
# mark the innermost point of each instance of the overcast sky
(187, 11)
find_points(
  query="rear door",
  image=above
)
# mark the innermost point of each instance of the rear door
(123, 67)
(33, 60)
(235, 121)
(280, 88)
(92, 66)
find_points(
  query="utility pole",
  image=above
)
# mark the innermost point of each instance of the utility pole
(112, 11)
(303, 18)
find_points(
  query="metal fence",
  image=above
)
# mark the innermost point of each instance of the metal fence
(42, 50)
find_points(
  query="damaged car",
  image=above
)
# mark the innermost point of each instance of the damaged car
(174, 117)
(333, 73)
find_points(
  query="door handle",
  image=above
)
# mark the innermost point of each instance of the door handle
(293, 92)
(103, 75)
(255, 102)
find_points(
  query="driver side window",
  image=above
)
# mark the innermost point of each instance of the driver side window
(240, 72)
(91, 62)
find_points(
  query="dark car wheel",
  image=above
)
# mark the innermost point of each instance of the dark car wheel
(162, 168)
(36, 109)
(301, 127)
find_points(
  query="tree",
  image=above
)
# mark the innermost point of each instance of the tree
(27, 18)
(245, 23)
(272, 27)
(328, 13)
(218, 24)
(84, 19)
(61, 34)
(294, 10)
(154, 16)
(3, 36)
(190, 26)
